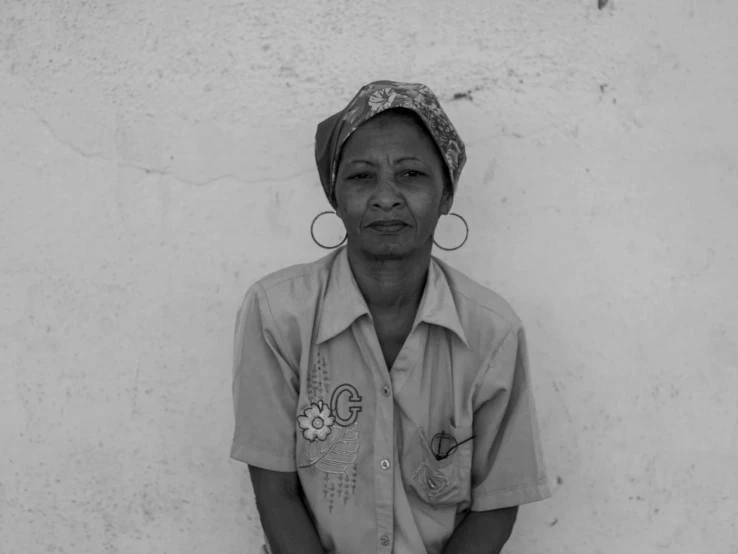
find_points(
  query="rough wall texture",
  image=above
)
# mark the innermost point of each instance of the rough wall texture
(156, 159)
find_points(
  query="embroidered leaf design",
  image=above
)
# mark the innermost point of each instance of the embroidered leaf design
(335, 455)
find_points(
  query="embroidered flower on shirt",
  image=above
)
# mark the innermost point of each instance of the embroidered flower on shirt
(433, 482)
(317, 422)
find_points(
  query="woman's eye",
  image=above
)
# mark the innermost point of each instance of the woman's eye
(359, 176)
(413, 173)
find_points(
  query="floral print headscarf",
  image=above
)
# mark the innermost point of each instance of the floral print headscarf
(371, 100)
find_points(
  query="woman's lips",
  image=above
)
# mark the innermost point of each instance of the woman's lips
(388, 227)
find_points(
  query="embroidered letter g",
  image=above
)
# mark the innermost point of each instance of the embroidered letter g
(354, 406)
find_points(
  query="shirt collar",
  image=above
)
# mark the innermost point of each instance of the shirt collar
(437, 306)
(343, 302)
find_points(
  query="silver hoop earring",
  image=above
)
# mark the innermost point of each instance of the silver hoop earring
(312, 233)
(466, 237)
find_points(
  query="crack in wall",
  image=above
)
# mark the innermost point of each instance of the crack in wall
(124, 163)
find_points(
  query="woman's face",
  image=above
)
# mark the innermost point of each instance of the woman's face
(390, 186)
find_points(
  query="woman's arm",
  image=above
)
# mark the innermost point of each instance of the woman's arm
(284, 517)
(482, 532)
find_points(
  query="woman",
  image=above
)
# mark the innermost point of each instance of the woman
(382, 398)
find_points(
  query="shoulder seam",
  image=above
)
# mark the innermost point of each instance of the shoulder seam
(443, 265)
(499, 346)
(511, 323)
(274, 325)
(493, 356)
(285, 280)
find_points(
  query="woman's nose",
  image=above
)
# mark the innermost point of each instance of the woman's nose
(386, 194)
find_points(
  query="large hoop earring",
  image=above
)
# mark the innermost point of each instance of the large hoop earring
(312, 233)
(466, 237)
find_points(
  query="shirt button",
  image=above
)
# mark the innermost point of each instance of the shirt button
(385, 540)
(386, 390)
(384, 464)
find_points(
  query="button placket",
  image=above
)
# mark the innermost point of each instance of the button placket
(384, 435)
(409, 358)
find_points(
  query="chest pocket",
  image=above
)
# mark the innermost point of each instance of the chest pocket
(440, 483)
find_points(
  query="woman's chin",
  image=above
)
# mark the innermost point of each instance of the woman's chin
(390, 248)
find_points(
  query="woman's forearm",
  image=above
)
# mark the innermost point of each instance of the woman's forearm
(288, 527)
(284, 516)
(482, 532)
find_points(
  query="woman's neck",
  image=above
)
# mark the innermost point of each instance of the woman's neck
(390, 286)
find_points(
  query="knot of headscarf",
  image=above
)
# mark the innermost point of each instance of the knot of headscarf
(371, 100)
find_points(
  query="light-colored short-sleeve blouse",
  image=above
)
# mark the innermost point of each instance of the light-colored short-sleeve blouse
(312, 394)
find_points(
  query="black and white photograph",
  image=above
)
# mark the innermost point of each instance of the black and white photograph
(389, 277)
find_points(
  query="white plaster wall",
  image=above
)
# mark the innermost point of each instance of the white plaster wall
(156, 159)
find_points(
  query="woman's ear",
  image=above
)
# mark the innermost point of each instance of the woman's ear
(337, 209)
(447, 200)
(335, 204)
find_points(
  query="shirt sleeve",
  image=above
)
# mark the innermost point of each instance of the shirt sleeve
(265, 389)
(508, 467)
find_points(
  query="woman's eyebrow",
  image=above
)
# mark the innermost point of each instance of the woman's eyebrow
(367, 162)
(408, 158)
(397, 161)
